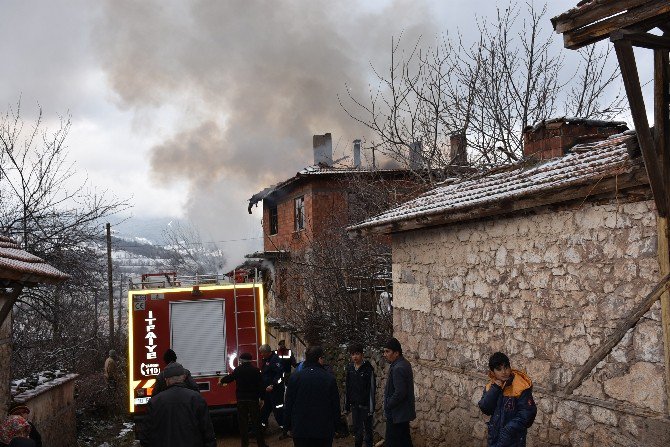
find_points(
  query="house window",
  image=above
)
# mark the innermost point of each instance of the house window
(299, 214)
(274, 220)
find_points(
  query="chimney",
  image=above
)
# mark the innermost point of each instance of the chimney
(323, 149)
(553, 138)
(357, 154)
(415, 156)
(458, 149)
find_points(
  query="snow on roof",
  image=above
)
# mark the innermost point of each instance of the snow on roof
(586, 163)
(19, 265)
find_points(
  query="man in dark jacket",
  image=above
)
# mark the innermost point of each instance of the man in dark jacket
(398, 396)
(508, 399)
(360, 395)
(177, 417)
(249, 392)
(312, 403)
(169, 358)
(273, 385)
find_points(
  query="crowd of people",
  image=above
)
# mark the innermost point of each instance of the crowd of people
(305, 400)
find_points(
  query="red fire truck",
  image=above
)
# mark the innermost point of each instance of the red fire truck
(207, 322)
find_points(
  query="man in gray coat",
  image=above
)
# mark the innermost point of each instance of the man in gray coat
(178, 416)
(398, 396)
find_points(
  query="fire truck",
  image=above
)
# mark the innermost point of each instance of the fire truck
(207, 321)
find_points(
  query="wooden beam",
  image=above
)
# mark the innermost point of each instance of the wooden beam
(662, 115)
(7, 306)
(664, 264)
(643, 40)
(629, 322)
(624, 51)
(592, 12)
(601, 30)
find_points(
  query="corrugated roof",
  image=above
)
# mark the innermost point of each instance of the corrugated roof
(586, 163)
(20, 266)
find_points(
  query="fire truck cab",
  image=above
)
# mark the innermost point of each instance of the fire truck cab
(208, 323)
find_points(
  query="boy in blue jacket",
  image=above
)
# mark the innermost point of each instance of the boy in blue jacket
(508, 399)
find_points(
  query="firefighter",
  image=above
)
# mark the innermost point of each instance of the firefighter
(273, 382)
(286, 358)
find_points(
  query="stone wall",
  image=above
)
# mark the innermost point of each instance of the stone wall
(547, 288)
(52, 411)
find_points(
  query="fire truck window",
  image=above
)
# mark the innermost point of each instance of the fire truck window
(274, 220)
(299, 207)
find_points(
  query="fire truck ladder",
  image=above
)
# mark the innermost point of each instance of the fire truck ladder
(246, 315)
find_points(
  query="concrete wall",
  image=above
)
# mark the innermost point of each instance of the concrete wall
(546, 288)
(52, 411)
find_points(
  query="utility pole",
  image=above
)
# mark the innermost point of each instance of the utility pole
(110, 286)
(118, 324)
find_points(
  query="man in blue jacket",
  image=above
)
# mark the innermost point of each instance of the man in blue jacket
(508, 399)
(312, 403)
(398, 396)
(274, 386)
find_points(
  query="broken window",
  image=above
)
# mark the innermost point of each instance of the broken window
(299, 207)
(274, 220)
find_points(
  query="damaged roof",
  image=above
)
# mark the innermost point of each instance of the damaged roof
(17, 265)
(329, 171)
(512, 187)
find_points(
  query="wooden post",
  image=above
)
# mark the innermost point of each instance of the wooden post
(110, 286)
(662, 146)
(631, 80)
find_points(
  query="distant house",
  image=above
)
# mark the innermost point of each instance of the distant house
(309, 210)
(18, 269)
(545, 260)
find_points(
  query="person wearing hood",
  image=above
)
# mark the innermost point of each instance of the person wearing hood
(19, 409)
(359, 398)
(169, 358)
(508, 399)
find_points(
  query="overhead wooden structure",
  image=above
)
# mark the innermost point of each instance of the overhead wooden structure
(643, 24)
(19, 269)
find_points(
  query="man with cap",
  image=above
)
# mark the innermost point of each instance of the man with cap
(178, 416)
(19, 409)
(398, 396)
(273, 385)
(248, 392)
(169, 358)
(111, 370)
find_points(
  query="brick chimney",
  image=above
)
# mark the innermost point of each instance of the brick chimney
(416, 160)
(458, 149)
(357, 154)
(552, 138)
(323, 149)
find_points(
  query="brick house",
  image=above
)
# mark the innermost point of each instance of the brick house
(312, 209)
(548, 260)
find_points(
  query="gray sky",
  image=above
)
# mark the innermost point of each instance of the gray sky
(190, 107)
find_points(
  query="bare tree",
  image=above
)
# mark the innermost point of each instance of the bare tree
(189, 254)
(57, 219)
(489, 91)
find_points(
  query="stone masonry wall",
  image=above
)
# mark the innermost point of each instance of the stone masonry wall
(546, 288)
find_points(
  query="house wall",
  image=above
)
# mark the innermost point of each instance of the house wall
(546, 288)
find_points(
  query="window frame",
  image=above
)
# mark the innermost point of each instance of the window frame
(299, 213)
(273, 220)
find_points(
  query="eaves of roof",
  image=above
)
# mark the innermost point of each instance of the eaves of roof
(19, 266)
